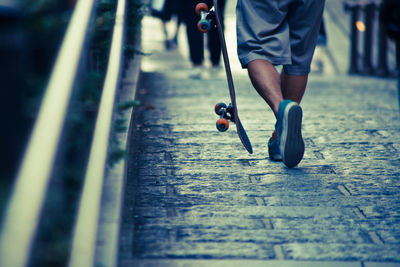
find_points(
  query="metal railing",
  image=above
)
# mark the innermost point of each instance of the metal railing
(22, 216)
(83, 246)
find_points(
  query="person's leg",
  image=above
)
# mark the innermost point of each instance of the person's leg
(259, 49)
(267, 82)
(195, 40)
(176, 17)
(164, 28)
(194, 36)
(274, 88)
(214, 45)
(293, 86)
(286, 142)
(196, 44)
(304, 31)
(263, 45)
(304, 20)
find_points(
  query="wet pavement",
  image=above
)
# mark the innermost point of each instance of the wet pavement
(195, 197)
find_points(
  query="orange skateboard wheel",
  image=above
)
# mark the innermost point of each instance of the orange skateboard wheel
(203, 25)
(218, 106)
(222, 125)
(201, 7)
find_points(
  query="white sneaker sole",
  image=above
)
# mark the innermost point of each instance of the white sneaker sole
(291, 140)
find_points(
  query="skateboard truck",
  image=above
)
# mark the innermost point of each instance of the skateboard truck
(225, 115)
(204, 24)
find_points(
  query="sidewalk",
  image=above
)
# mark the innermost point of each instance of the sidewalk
(195, 197)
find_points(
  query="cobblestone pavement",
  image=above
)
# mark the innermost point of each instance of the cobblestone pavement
(195, 194)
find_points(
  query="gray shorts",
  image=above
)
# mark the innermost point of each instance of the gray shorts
(283, 32)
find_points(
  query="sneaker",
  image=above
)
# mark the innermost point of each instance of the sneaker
(288, 127)
(273, 150)
(196, 73)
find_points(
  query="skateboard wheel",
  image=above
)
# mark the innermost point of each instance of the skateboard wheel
(222, 125)
(218, 106)
(203, 25)
(201, 7)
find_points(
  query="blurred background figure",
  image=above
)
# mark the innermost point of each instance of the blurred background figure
(166, 11)
(390, 17)
(196, 38)
(322, 37)
(320, 50)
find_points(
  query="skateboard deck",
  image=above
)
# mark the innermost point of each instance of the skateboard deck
(210, 18)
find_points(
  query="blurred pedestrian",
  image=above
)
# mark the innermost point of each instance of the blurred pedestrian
(280, 32)
(322, 37)
(390, 18)
(167, 10)
(196, 38)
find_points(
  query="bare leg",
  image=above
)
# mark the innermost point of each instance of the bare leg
(267, 82)
(164, 28)
(293, 86)
(175, 38)
(274, 88)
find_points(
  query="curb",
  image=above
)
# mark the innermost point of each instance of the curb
(107, 245)
(255, 263)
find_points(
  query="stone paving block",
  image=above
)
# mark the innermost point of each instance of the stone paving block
(381, 264)
(240, 263)
(347, 252)
(203, 250)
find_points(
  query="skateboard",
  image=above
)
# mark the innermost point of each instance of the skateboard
(211, 18)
